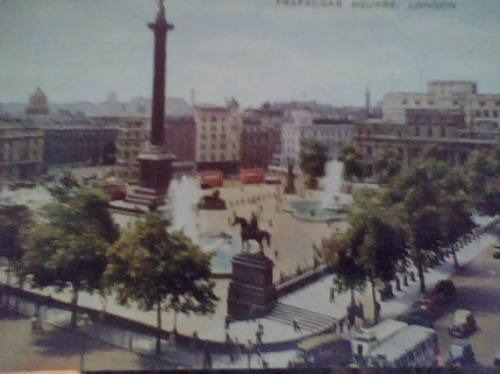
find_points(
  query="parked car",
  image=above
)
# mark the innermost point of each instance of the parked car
(496, 251)
(496, 360)
(443, 292)
(464, 324)
(461, 354)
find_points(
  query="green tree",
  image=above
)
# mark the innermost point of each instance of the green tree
(68, 249)
(338, 253)
(482, 172)
(455, 222)
(354, 166)
(160, 271)
(313, 157)
(15, 221)
(387, 165)
(377, 240)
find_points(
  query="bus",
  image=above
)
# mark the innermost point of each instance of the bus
(325, 350)
(395, 344)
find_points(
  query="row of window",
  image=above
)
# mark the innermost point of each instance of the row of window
(215, 128)
(431, 102)
(486, 113)
(213, 157)
(212, 136)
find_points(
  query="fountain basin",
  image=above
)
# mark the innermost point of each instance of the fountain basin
(225, 248)
(313, 211)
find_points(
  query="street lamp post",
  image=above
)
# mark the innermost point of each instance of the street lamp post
(83, 321)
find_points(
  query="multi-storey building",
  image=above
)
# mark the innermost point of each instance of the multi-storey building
(132, 133)
(21, 149)
(75, 139)
(334, 134)
(479, 109)
(259, 142)
(446, 129)
(218, 134)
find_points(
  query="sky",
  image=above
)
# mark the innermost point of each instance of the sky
(253, 50)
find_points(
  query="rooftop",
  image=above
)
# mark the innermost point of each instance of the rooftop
(402, 342)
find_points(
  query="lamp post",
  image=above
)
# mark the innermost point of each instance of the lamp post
(83, 321)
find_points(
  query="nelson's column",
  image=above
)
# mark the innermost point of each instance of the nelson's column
(155, 161)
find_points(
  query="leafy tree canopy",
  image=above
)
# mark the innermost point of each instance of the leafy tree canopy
(313, 157)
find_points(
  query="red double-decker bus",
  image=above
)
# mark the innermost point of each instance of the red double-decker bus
(211, 179)
(254, 175)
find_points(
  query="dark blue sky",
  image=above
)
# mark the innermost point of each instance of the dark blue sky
(253, 50)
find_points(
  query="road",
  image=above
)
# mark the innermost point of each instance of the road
(478, 289)
(58, 349)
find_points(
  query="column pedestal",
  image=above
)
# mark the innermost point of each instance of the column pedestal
(251, 291)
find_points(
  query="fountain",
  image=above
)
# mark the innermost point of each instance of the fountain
(184, 196)
(332, 205)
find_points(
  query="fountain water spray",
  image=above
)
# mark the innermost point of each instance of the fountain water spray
(332, 183)
(184, 195)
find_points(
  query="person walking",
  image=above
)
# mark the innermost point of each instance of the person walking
(332, 294)
(249, 353)
(296, 326)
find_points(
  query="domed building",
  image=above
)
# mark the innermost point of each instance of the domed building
(38, 103)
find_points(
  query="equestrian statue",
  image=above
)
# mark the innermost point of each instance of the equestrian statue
(251, 231)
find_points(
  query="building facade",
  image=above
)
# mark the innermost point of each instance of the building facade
(218, 137)
(408, 141)
(131, 136)
(21, 149)
(479, 109)
(260, 140)
(334, 134)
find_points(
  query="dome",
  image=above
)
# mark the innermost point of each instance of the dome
(38, 103)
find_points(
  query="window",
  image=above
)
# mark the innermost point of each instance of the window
(486, 113)
(212, 156)
(404, 102)
(202, 157)
(417, 131)
(429, 132)
(202, 146)
(222, 157)
(213, 118)
(495, 113)
(430, 102)
(417, 102)
(443, 131)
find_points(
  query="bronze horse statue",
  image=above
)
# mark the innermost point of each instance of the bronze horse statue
(251, 231)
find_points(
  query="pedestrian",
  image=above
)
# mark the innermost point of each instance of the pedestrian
(341, 326)
(276, 254)
(334, 328)
(249, 353)
(237, 347)
(265, 364)
(332, 294)
(296, 326)
(226, 323)
(228, 339)
(195, 340)
(207, 359)
(361, 311)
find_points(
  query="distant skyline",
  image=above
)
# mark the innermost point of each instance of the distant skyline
(253, 50)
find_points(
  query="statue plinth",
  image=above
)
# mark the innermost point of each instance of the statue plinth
(251, 291)
(155, 168)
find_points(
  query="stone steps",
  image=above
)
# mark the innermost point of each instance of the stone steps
(306, 319)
